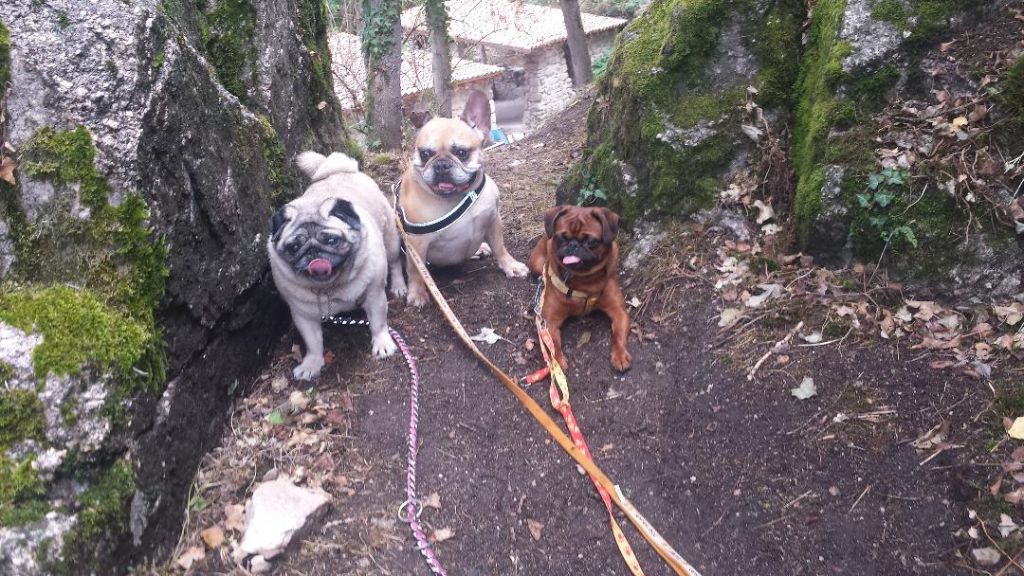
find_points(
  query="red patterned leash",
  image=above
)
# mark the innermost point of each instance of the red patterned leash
(559, 394)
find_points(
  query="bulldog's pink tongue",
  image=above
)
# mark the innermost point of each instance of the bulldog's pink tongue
(570, 260)
(445, 186)
(319, 267)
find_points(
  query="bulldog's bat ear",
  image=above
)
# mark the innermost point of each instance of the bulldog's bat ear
(419, 118)
(277, 222)
(609, 224)
(551, 217)
(344, 211)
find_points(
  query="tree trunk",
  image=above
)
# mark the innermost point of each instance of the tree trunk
(382, 51)
(441, 66)
(579, 53)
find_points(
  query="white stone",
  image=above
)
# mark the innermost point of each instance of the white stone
(277, 510)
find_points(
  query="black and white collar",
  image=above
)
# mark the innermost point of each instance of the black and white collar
(420, 228)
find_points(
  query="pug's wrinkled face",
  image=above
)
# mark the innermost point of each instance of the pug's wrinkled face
(582, 237)
(446, 156)
(316, 240)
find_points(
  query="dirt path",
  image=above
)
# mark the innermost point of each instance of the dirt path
(740, 476)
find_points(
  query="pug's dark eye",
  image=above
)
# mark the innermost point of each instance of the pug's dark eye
(292, 247)
(329, 240)
(461, 153)
(590, 242)
(425, 154)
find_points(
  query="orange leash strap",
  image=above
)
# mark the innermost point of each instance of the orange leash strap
(559, 393)
(662, 547)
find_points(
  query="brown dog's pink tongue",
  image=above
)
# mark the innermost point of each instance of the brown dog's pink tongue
(570, 260)
(319, 267)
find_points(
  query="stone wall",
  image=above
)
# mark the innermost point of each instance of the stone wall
(548, 85)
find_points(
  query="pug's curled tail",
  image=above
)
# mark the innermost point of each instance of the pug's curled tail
(317, 166)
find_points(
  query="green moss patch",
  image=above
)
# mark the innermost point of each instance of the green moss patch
(112, 250)
(103, 512)
(815, 105)
(5, 56)
(229, 40)
(22, 492)
(6, 372)
(21, 417)
(77, 328)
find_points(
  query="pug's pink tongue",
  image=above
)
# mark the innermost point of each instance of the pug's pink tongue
(570, 260)
(319, 267)
(446, 186)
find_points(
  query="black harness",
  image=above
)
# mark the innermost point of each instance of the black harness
(421, 228)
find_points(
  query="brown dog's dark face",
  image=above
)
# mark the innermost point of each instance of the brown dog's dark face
(581, 238)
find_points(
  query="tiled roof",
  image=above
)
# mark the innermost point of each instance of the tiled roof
(350, 73)
(516, 25)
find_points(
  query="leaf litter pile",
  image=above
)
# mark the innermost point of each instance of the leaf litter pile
(282, 429)
(774, 304)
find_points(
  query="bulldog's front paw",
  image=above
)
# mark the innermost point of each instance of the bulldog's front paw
(621, 359)
(309, 368)
(484, 251)
(383, 346)
(514, 268)
(417, 295)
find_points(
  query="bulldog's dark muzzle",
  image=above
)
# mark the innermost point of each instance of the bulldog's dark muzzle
(575, 253)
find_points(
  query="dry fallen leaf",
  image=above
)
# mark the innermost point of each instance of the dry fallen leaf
(1016, 431)
(433, 501)
(190, 556)
(213, 536)
(234, 517)
(7, 171)
(441, 534)
(535, 528)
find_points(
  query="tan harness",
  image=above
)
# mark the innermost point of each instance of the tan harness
(558, 284)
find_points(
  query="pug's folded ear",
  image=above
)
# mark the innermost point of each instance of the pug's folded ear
(344, 211)
(551, 217)
(277, 221)
(609, 224)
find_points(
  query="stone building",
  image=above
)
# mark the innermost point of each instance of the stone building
(417, 82)
(529, 42)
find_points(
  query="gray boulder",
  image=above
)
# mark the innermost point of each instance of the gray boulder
(152, 140)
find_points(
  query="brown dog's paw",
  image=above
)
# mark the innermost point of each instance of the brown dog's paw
(621, 359)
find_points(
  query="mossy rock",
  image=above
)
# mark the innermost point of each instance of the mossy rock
(5, 56)
(666, 125)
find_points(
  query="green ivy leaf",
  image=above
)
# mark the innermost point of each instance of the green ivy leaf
(864, 200)
(908, 233)
(197, 503)
(875, 180)
(884, 198)
(878, 221)
(275, 418)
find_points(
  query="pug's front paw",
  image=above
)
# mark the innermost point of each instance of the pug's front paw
(417, 295)
(383, 346)
(514, 268)
(309, 368)
(398, 289)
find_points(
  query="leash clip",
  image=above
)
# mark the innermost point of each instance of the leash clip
(417, 508)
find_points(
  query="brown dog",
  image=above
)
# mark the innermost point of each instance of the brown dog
(580, 259)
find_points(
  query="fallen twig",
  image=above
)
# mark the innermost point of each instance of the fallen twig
(859, 498)
(776, 348)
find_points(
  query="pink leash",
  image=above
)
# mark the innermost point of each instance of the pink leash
(410, 510)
